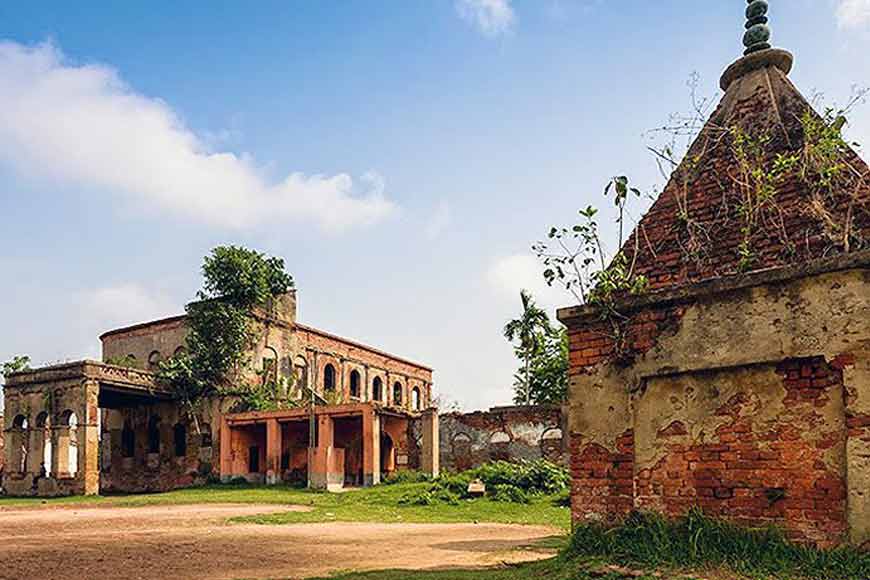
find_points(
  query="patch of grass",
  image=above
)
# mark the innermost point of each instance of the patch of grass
(700, 542)
(374, 504)
(389, 504)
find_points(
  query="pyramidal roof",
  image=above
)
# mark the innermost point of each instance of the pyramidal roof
(766, 183)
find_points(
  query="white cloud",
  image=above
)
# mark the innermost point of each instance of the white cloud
(508, 275)
(853, 13)
(439, 221)
(491, 17)
(122, 305)
(84, 125)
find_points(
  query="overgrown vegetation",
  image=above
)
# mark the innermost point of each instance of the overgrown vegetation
(505, 481)
(222, 330)
(648, 547)
(699, 542)
(16, 364)
(543, 351)
(577, 259)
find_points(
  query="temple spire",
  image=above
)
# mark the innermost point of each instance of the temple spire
(757, 36)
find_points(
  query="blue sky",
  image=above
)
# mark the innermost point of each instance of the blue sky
(400, 155)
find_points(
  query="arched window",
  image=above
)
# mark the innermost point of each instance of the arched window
(415, 398)
(397, 393)
(154, 360)
(128, 440)
(179, 438)
(67, 445)
(18, 443)
(154, 434)
(499, 446)
(329, 377)
(270, 365)
(179, 351)
(378, 390)
(355, 384)
(300, 373)
(205, 435)
(43, 441)
(551, 444)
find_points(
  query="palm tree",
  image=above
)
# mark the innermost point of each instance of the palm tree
(528, 329)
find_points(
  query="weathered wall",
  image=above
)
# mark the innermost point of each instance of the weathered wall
(2, 452)
(374, 368)
(49, 431)
(748, 398)
(509, 433)
(301, 352)
(129, 461)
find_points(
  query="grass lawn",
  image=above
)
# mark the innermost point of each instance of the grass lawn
(375, 504)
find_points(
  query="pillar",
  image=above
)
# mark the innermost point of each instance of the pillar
(226, 451)
(430, 458)
(36, 450)
(371, 440)
(88, 440)
(273, 452)
(326, 468)
(60, 451)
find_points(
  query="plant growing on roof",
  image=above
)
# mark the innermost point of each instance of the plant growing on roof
(236, 282)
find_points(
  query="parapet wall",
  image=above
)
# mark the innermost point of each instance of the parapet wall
(508, 433)
(749, 398)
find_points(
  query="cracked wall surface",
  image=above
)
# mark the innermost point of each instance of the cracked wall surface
(750, 401)
(502, 433)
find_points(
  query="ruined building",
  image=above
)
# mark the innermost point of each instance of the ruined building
(739, 380)
(86, 427)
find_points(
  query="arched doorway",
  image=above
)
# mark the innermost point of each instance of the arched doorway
(388, 454)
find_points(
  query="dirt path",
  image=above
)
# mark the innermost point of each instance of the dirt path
(196, 541)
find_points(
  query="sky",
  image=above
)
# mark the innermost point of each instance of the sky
(401, 156)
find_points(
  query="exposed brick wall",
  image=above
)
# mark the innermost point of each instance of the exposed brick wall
(692, 231)
(756, 473)
(602, 486)
(619, 340)
(749, 402)
(468, 440)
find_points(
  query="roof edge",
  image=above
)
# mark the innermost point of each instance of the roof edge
(580, 314)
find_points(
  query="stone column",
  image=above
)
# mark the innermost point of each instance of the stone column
(60, 451)
(88, 441)
(273, 452)
(371, 423)
(430, 459)
(36, 449)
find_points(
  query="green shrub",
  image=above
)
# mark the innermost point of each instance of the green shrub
(508, 493)
(563, 499)
(534, 477)
(699, 541)
(407, 476)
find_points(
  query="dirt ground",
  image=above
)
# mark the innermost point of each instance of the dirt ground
(196, 541)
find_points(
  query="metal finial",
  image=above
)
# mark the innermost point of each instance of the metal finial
(757, 35)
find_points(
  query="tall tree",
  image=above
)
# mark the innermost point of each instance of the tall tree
(548, 372)
(527, 332)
